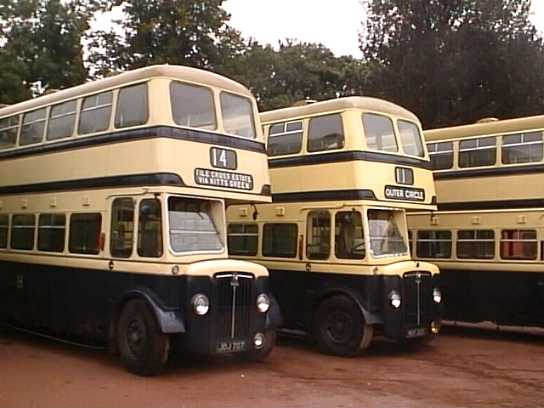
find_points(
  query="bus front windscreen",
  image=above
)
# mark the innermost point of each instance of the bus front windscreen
(191, 225)
(386, 238)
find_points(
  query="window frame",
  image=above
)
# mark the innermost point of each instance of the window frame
(522, 144)
(100, 231)
(243, 234)
(285, 133)
(393, 127)
(45, 121)
(450, 240)
(74, 113)
(475, 240)
(252, 116)
(436, 152)
(134, 226)
(330, 226)
(214, 107)
(535, 241)
(420, 139)
(275, 224)
(460, 150)
(117, 97)
(17, 133)
(82, 110)
(12, 227)
(57, 227)
(310, 119)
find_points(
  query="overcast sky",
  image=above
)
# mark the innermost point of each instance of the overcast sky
(334, 23)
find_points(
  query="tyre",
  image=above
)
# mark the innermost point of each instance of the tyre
(262, 353)
(142, 346)
(340, 328)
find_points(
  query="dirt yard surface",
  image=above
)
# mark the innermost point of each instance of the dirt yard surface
(465, 368)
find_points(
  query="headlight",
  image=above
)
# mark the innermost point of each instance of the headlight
(201, 304)
(395, 299)
(263, 303)
(437, 295)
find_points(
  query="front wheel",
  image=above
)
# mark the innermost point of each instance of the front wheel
(143, 348)
(340, 328)
(262, 353)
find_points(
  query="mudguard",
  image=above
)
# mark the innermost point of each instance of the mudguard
(170, 321)
(274, 319)
(370, 318)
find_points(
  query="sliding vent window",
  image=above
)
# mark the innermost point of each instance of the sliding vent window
(243, 239)
(4, 226)
(132, 106)
(95, 113)
(433, 244)
(476, 244)
(22, 231)
(150, 229)
(122, 227)
(8, 132)
(441, 155)
(238, 116)
(478, 152)
(284, 138)
(33, 127)
(379, 133)
(349, 236)
(318, 235)
(192, 225)
(325, 133)
(519, 244)
(410, 138)
(51, 232)
(522, 148)
(85, 233)
(192, 106)
(280, 240)
(62, 119)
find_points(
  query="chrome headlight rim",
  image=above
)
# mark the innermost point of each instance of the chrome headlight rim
(263, 303)
(437, 295)
(201, 304)
(395, 299)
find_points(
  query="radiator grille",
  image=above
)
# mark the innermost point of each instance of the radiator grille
(417, 298)
(234, 301)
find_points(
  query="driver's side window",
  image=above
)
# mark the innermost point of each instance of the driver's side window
(349, 235)
(318, 235)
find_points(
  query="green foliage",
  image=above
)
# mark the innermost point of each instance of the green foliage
(455, 61)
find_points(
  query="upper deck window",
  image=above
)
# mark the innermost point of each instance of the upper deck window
(325, 133)
(522, 148)
(131, 106)
(284, 138)
(95, 113)
(410, 138)
(8, 131)
(192, 106)
(379, 133)
(192, 227)
(33, 127)
(441, 155)
(478, 152)
(238, 118)
(62, 119)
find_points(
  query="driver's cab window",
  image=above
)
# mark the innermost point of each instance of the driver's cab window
(318, 235)
(348, 235)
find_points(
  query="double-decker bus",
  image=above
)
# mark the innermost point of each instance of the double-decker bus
(343, 173)
(488, 233)
(112, 216)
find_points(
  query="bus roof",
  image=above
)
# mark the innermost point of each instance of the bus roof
(350, 102)
(172, 71)
(487, 128)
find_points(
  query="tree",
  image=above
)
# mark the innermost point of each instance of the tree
(455, 61)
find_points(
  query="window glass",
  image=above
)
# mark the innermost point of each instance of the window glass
(22, 231)
(280, 240)
(476, 244)
(519, 244)
(386, 237)
(192, 227)
(150, 228)
(410, 138)
(4, 225)
(51, 232)
(478, 152)
(122, 227)
(243, 239)
(433, 244)
(410, 241)
(349, 240)
(95, 113)
(131, 106)
(33, 127)
(62, 119)
(8, 132)
(85, 233)
(325, 133)
(379, 133)
(522, 148)
(285, 138)
(441, 155)
(318, 235)
(192, 106)
(237, 115)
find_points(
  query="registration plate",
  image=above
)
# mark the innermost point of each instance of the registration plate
(231, 346)
(416, 332)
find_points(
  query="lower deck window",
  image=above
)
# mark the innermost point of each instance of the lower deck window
(22, 231)
(476, 244)
(85, 233)
(433, 244)
(519, 244)
(243, 239)
(280, 240)
(51, 232)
